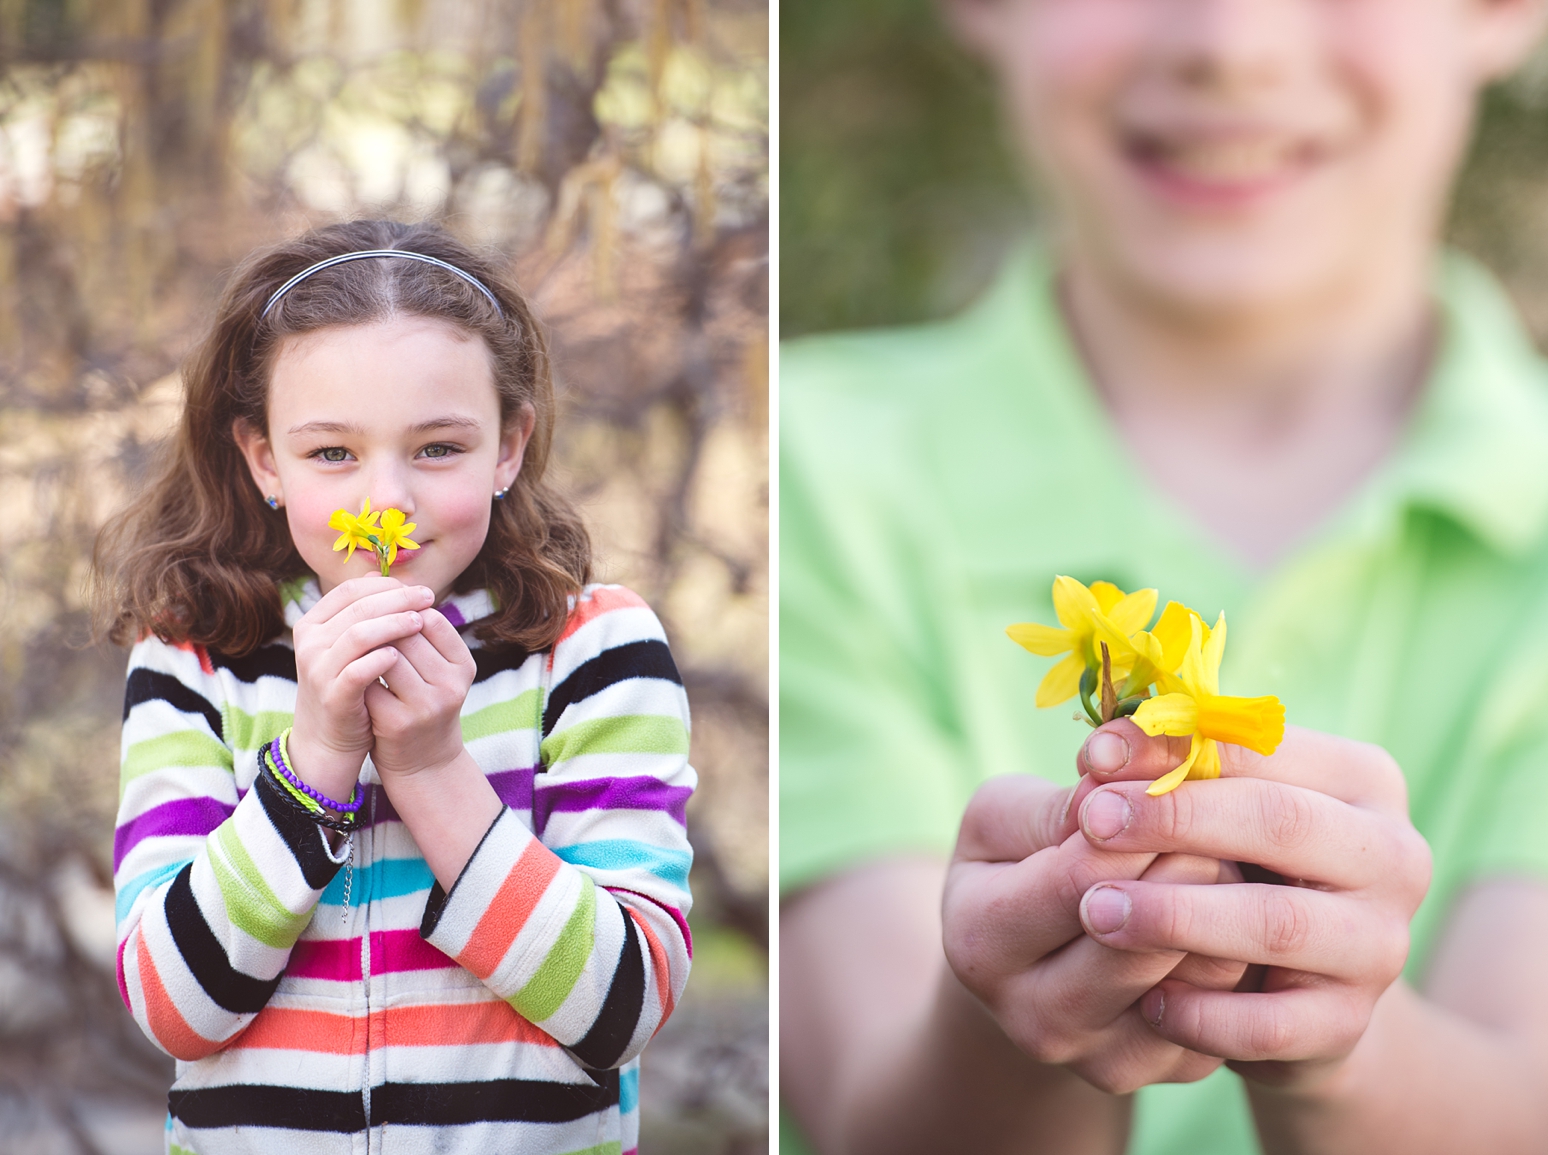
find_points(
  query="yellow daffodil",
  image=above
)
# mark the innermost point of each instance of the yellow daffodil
(395, 534)
(1190, 703)
(1160, 650)
(1088, 617)
(363, 531)
(355, 530)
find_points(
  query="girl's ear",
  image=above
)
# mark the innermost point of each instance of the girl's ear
(259, 456)
(1501, 35)
(513, 445)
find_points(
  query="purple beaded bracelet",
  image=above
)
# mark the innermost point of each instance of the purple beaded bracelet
(356, 799)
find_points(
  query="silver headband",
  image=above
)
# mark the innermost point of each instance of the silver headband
(362, 255)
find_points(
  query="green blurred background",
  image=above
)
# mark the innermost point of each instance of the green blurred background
(898, 195)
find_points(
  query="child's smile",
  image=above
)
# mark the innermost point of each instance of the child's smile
(403, 412)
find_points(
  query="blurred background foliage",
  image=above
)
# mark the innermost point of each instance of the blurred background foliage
(899, 193)
(614, 154)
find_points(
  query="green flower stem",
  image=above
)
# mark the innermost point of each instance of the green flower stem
(1088, 683)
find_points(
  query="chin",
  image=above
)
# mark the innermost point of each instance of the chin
(1232, 276)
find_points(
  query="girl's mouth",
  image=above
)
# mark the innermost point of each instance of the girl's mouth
(1223, 171)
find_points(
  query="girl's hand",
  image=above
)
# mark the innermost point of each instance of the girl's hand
(417, 718)
(1328, 814)
(343, 644)
(1013, 935)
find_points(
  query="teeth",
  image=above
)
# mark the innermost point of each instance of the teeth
(1234, 161)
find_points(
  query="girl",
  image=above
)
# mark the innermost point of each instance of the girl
(400, 861)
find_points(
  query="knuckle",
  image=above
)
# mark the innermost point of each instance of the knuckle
(1113, 1078)
(1416, 861)
(1287, 925)
(1289, 818)
(1392, 951)
(1270, 1034)
(1174, 819)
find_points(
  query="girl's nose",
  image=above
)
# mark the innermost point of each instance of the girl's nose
(388, 488)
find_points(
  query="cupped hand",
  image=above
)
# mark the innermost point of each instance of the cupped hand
(416, 718)
(1326, 815)
(1013, 933)
(343, 644)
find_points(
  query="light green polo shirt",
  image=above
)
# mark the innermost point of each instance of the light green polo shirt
(933, 480)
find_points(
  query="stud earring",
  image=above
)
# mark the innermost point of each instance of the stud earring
(273, 501)
(500, 493)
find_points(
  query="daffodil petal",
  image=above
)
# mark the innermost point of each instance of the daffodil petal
(1256, 723)
(1134, 612)
(1172, 633)
(1173, 779)
(1107, 595)
(1073, 602)
(1207, 764)
(1192, 670)
(1213, 652)
(1062, 682)
(405, 543)
(1174, 714)
(1045, 641)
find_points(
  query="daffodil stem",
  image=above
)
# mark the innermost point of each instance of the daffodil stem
(381, 553)
(1087, 688)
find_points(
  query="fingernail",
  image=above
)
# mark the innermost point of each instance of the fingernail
(1065, 813)
(1106, 909)
(1152, 1006)
(427, 592)
(1107, 813)
(1106, 752)
(414, 620)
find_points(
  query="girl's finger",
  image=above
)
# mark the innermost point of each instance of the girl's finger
(1084, 986)
(364, 670)
(382, 603)
(1211, 974)
(1130, 1055)
(1032, 907)
(404, 681)
(1011, 818)
(1285, 926)
(364, 637)
(1291, 1025)
(1354, 772)
(1358, 773)
(444, 637)
(1121, 752)
(346, 593)
(426, 659)
(1299, 833)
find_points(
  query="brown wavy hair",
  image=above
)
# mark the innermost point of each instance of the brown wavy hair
(198, 556)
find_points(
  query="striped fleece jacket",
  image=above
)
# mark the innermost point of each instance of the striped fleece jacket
(507, 1015)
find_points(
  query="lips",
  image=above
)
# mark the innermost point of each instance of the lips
(1221, 168)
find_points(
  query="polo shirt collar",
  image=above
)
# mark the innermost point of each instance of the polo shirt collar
(1477, 447)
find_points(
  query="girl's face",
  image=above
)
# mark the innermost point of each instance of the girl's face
(403, 412)
(1214, 155)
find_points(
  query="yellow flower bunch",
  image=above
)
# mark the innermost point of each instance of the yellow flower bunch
(384, 532)
(1104, 633)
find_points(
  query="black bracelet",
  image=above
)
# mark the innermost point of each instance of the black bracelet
(266, 768)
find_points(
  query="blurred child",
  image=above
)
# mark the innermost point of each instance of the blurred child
(1242, 373)
(400, 860)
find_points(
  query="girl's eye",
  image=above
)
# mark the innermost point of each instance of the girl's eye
(334, 453)
(439, 450)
